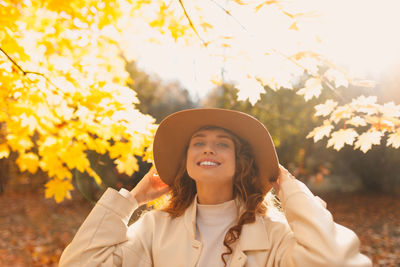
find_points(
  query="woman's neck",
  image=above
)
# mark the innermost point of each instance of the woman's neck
(211, 194)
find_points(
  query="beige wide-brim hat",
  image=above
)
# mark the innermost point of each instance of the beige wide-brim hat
(174, 132)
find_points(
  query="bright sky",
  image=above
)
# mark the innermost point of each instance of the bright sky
(359, 35)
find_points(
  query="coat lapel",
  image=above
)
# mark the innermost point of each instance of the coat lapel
(254, 237)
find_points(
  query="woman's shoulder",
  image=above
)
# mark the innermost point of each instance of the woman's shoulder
(150, 219)
(274, 219)
(275, 224)
(153, 222)
(155, 215)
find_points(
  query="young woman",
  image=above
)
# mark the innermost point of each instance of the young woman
(218, 166)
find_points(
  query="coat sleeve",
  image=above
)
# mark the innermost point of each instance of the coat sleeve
(314, 239)
(102, 239)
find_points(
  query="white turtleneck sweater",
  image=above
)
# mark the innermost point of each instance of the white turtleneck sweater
(212, 223)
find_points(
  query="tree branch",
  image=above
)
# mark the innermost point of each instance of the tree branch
(15, 63)
(27, 72)
(229, 14)
(191, 24)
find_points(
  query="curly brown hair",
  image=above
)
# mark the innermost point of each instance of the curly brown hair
(246, 187)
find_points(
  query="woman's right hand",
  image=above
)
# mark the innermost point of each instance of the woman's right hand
(149, 188)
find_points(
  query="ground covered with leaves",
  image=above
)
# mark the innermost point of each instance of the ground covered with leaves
(34, 230)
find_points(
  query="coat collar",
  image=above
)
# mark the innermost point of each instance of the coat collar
(254, 236)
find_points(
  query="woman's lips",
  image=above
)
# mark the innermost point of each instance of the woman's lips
(208, 163)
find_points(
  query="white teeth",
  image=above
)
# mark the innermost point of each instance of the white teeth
(208, 163)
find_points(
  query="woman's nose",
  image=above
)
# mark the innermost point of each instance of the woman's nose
(208, 149)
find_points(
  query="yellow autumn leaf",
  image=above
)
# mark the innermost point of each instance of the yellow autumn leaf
(342, 112)
(127, 165)
(365, 104)
(326, 108)
(54, 166)
(312, 88)
(340, 138)
(99, 145)
(19, 143)
(356, 121)
(58, 189)
(28, 162)
(319, 132)
(4, 151)
(366, 140)
(148, 155)
(382, 124)
(29, 122)
(75, 157)
(249, 89)
(394, 140)
(390, 110)
(118, 149)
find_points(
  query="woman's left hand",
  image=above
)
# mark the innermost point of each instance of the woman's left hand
(282, 177)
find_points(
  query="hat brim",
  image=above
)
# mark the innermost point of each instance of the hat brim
(174, 133)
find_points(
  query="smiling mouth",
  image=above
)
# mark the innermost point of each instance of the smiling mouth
(208, 163)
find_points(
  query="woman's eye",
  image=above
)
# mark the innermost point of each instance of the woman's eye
(198, 143)
(223, 144)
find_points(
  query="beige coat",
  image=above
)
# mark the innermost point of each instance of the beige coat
(306, 237)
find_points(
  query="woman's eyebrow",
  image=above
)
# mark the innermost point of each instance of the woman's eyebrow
(198, 135)
(219, 136)
(224, 136)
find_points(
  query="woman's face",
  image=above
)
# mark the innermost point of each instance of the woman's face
(211, 157)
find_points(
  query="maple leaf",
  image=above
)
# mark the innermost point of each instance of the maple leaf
(366, 140)
(326, 108)
(28, 162)
(319, 132)
(311, 89)
(4, 151)
(127, 165)
(390, 110)
(19, 143)
(342, 112)
(75, 157)
(357, 121)
(29, 122)
(249, 89)
(381, 124)
(58, 189)
(365, 104)
(394, 140)
(342, 137)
